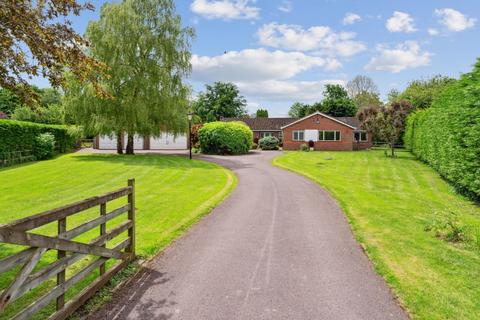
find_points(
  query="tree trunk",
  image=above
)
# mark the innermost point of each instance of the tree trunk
(119, 143)
(129, 149)
(392, 147)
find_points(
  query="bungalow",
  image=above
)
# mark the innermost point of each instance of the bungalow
(165, 141)
(323, 131)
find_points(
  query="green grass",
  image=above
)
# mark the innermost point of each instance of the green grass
(389, 202)
(171, 194)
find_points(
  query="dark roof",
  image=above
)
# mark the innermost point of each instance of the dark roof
(352, 121)
(266, 124)
(276, 124)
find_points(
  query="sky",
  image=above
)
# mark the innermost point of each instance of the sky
(278, 51)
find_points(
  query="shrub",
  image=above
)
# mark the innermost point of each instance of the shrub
(20, 136)
(311, 144)
(304, 147)
(268, 143)
(254, 146)
(447, 135)
(225, 138)
(44, 146)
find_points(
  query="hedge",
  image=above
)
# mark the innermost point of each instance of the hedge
(20, 136)
(447, 135)
(269, 143)
(225, 138)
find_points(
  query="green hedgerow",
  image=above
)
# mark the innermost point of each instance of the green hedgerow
(225, 138)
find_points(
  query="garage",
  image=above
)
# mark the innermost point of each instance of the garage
(168, 142)
(107, 142)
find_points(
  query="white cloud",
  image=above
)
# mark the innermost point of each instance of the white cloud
(225, 9)
(320, 38)
(400, 22)
(278, 90)
(433, 32)
(454, 20)
(351, 18)
(406, 55)
(256, 65)
(285, 6)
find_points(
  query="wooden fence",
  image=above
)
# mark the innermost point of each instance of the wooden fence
(68, 252)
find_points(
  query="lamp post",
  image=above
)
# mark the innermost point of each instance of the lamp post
(190, 116)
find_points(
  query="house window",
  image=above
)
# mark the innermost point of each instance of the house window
(324, 135)
(298, 135)
(360, 136)
(265, 134)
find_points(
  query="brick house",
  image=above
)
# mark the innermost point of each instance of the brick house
(326, 132)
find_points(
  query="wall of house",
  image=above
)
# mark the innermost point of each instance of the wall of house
(319, 122)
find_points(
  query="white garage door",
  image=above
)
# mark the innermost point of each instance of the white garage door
(168, 141)
(107, 142)
(137, 142)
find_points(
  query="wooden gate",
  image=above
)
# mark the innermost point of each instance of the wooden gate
(68, 252)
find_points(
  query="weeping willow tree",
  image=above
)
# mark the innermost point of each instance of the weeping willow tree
(147, 53)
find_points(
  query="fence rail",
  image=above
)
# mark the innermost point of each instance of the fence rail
(68, 252)
(15, 157)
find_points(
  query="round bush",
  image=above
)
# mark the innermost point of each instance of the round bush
(44, 146)
(304, 147)
(225, 138)
(268, 143)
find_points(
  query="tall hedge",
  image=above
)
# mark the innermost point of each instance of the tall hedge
(447, 135)
(225, 138)
(20, 136)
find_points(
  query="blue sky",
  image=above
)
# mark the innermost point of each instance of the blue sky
(279, 52)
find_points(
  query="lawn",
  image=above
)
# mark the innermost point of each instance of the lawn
(171, 194)
(390, 204)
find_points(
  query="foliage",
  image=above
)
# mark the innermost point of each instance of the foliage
(393, 96)
(254, 146)
(3, 115)
(262, 113)
(367, 99)
(337, 103)
(163, 182)
(447, 135)
(8, 101)
(220, 100)
(311, 144)
(37, 39)
(363, 91)
(21, 136)
(447, 227)
(304, 147)
(421, 93)
(387, 123)
(299, 110)
(44, 146)
(225, 138)
(52, 114)
(269, 143)
(194, 133)
(147, 52)
(388, 204)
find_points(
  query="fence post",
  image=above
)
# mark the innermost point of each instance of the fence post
(62, 227)
(103, 230)
(131, 217)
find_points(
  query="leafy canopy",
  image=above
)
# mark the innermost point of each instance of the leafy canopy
(262, 113)
(147, 52)
(220, 100)
(421, 93)
(37, 39)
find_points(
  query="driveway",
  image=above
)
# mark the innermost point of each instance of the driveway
(278, 248)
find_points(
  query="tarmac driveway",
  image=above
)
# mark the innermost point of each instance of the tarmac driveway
(278, 248)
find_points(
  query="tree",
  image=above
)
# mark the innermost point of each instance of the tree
(147, 52)
(36, 39)
(8, 101)
(393, 96)
(421, 93)
(299, 110)
(262, 113)
(336, 102)
(367, 99)
(220, 100)
(388, 123)
(361, 84)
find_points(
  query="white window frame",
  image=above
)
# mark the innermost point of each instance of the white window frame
(360, 133)
(321, 135)
(298, 134)
(266, 134)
